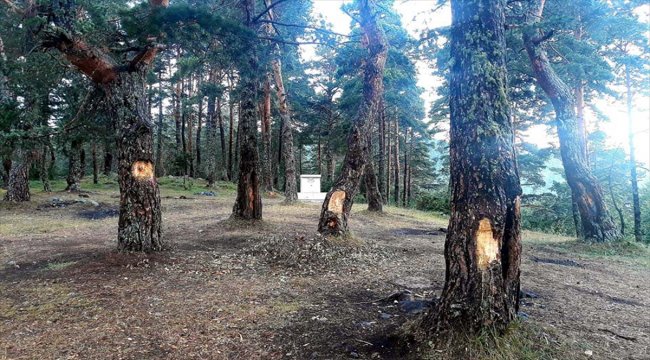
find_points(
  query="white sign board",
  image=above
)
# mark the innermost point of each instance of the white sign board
(310, 188)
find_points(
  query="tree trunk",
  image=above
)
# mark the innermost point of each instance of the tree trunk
(381, 171)
(222, 134)
(176, 99)
(18, 184)
(290, 185)
(338, 201)
(139, 227)
(160, 170)
(95, 164)
(396, 161)
(45, 167)
(597, 223)
(575, 211)
(375, 202)
(231, 128)
(636, 206)
(248, 204)
(482, 250)
(74, 167)
(211, 141)
(199, 126)
(406, 166)
(108, 160)
(266, 138)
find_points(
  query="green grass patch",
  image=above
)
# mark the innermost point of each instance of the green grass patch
(54, 266)
(523, 340)
(625, 251)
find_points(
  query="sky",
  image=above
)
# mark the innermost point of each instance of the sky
(418, 15)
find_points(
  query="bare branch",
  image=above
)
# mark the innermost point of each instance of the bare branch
(306, 27)
(268, 8)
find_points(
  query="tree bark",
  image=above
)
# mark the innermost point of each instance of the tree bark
(597, 223)
(139, 227)
(18, 184)
(290, 184)
(45, 163)
(108, 160)
(160, 170)
(199, 128)
(482, 250)
(248, 204)
(375, 202)
(266, 138)
(636, 206)
(338, 201)
(95, 163)
(396, 167)
(231, 127)
(222, 134)
(211, 141)
(74, 167)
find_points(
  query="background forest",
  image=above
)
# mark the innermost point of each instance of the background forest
(194, 94)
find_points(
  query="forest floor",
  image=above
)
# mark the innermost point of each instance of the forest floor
(275, 290)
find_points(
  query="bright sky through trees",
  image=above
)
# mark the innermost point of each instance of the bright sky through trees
(418, 15)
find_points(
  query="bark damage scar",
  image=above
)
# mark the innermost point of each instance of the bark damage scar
(336, 202)
(487, 247)
(142, 170)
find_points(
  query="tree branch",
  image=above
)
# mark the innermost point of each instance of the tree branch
(540, 39)
(90, 61)
(305, 27)
(268, 8)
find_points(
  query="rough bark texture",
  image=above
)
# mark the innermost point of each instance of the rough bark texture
(396, 167)
(74, 167)
(211, 141)
(482, 250)
(46, 161)
(266, 138)
(222, 136)
(290, 183)
(248, 204)
(140, 215)
(375, 202)
(338, 201)
(597, 223)
(18, 184)
(160, 170)
(231, 128)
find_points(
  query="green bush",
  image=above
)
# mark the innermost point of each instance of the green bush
(433, 201)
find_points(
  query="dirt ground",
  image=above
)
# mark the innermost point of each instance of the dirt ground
(66, 294)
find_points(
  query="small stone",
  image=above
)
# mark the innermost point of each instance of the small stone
(384, 316)
(589, 353)
(354, 354)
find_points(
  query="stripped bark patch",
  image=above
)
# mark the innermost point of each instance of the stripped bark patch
(142, 170)
(487, 247)
(336, 202)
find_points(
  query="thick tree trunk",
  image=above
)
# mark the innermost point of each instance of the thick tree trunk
(160, 170)
(375, 202)
(338, 201)
(6, 166)
(290, 185)
(575, 212)
(74, 167)
(597, 223)
(482, 250)
(139, 227)
(266, 138)
(636, 206)
(18, 184)
(231, 128)
(248, 204)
